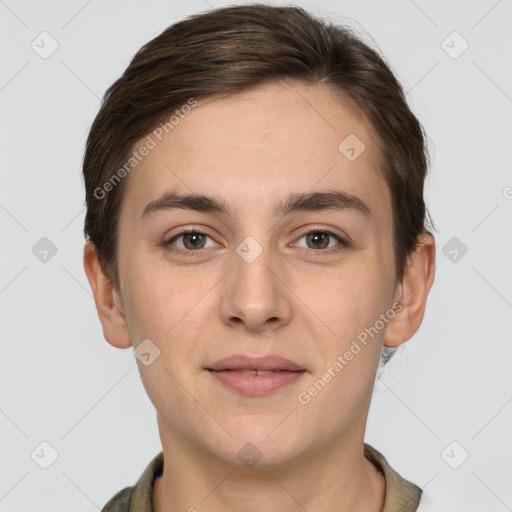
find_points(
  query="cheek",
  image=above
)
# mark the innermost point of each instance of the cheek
(353, 298)
(352, 306)
(157, 297)
(173, 312)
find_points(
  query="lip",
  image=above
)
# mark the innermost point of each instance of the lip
(235, 373)
(242, 362)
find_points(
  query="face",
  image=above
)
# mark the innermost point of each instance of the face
(259, 274)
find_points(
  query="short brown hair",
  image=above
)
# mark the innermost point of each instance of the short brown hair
(231, 49)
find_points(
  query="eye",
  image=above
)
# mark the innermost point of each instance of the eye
(323, 240)
(192, 240)
(318, 240)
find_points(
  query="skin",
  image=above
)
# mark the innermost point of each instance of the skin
(253, 150)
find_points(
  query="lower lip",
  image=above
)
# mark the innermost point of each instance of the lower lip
(256, 385)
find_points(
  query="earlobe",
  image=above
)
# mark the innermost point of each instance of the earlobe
(108, 303)
(412, 292)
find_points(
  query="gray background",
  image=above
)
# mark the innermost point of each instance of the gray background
(63, 384)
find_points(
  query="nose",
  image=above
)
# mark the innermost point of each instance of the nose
(255, 296)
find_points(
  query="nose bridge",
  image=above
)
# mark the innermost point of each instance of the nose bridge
(254, 293)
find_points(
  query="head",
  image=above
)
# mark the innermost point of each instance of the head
(304, 172)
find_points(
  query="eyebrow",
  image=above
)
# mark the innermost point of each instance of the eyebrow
(312, 201)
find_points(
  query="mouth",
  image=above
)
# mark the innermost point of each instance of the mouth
(252, 372)
(258, 376)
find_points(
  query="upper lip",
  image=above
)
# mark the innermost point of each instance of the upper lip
(243, 362)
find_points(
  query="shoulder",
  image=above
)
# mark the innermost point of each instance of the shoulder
(400, 493)
(428, 503)
(138, 498)
(120, 502)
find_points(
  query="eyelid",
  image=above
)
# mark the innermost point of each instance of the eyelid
(323, 229)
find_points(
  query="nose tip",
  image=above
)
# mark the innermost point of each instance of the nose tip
(254, 297)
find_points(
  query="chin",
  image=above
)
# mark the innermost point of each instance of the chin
(259, 443)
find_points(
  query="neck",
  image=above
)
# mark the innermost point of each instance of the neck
(335, 478)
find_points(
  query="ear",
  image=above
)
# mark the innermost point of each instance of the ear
(108, 302)
(412, 292)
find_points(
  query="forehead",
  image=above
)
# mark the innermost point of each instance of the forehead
(260, 145)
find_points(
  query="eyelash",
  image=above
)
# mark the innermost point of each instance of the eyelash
(343, 244)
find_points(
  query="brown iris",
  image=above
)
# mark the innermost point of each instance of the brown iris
(323, 238)
(197, 240)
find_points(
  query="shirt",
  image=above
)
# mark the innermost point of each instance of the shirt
(401, 495)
